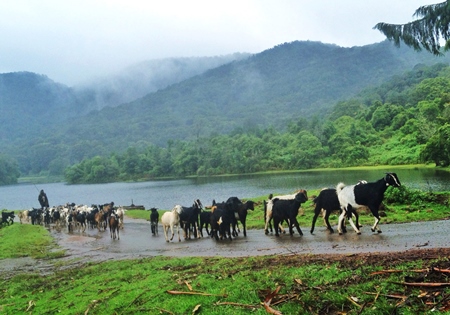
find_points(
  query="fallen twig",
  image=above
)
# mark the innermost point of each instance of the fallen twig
(394, 296)
(353, 302)
(414, 270)
(196, 293)
(236, 304)
(424, 284)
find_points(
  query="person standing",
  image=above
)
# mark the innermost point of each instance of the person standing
(43, 200)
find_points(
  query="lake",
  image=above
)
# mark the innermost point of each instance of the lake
(164, 194)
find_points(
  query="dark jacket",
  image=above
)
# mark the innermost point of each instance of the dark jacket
(43, 200)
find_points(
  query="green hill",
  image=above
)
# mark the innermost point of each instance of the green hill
(285, 83)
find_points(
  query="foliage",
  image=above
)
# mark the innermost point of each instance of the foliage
(416, 129)
(9, 170)
(426, 32)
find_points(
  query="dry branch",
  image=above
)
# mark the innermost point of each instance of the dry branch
(424, 284)
(414, 270)
(195, 293)
(236, 304)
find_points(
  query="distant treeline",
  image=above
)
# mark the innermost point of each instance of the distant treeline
(403, 121)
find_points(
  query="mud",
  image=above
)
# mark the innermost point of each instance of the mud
(136, 241)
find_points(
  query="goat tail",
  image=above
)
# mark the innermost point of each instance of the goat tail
(339, 187)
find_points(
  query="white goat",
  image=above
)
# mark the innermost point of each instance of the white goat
(170, 219)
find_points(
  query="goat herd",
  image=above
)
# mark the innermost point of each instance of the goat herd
(78, 217)
(223, 217)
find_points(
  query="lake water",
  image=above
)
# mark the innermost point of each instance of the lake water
(165, 194)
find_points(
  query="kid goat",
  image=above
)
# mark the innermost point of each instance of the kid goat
(369, 195)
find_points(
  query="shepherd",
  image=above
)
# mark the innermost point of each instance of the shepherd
(43, 200)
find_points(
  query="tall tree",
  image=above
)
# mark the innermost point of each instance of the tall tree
(432, 25)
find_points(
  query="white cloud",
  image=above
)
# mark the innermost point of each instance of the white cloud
(72, 41)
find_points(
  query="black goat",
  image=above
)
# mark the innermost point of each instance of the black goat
(189, 217)
(370, 195)
(154, 218)
(240, 210)
(205, 220)
(288, 210)
(222, 217)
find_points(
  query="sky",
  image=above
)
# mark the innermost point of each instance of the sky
(73, 42)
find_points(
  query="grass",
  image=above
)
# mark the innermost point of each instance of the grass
(233, 285)
(26, 240)
(220, 285)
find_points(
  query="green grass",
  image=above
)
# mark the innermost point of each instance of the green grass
(26, 240)
(141, 287)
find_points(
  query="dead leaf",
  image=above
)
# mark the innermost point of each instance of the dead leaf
(299, 281)
(196, 308)
(188, 285)
(268, 300)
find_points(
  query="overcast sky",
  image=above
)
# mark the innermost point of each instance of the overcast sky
(74, 41)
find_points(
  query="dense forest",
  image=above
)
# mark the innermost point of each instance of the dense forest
(402, 121)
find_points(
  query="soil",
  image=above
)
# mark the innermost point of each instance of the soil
(397, 243)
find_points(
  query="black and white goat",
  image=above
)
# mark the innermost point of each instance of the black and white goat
(370, 195)
(268, 211)
(287, 210)
(328, 201)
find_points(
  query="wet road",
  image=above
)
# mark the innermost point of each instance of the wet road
(136, 241)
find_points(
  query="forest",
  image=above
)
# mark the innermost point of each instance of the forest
(405, 120)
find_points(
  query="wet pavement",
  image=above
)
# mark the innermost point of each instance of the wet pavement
(137, 241)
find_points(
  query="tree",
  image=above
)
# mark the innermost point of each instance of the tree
(9, 170)
(437, 148)
(432, 25)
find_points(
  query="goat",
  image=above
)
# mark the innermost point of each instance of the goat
(23, 216)
(114, 226)
(154, 218)
(240, 212)
(7, 217)
(189, 216)
(36, 215)
(288, 210)
(268, 211)
(205, 220)
(120, 214)
(222, 217)
(370, 195)
(170, 219)
(327, 200)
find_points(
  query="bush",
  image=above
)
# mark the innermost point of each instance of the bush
(403, 195)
